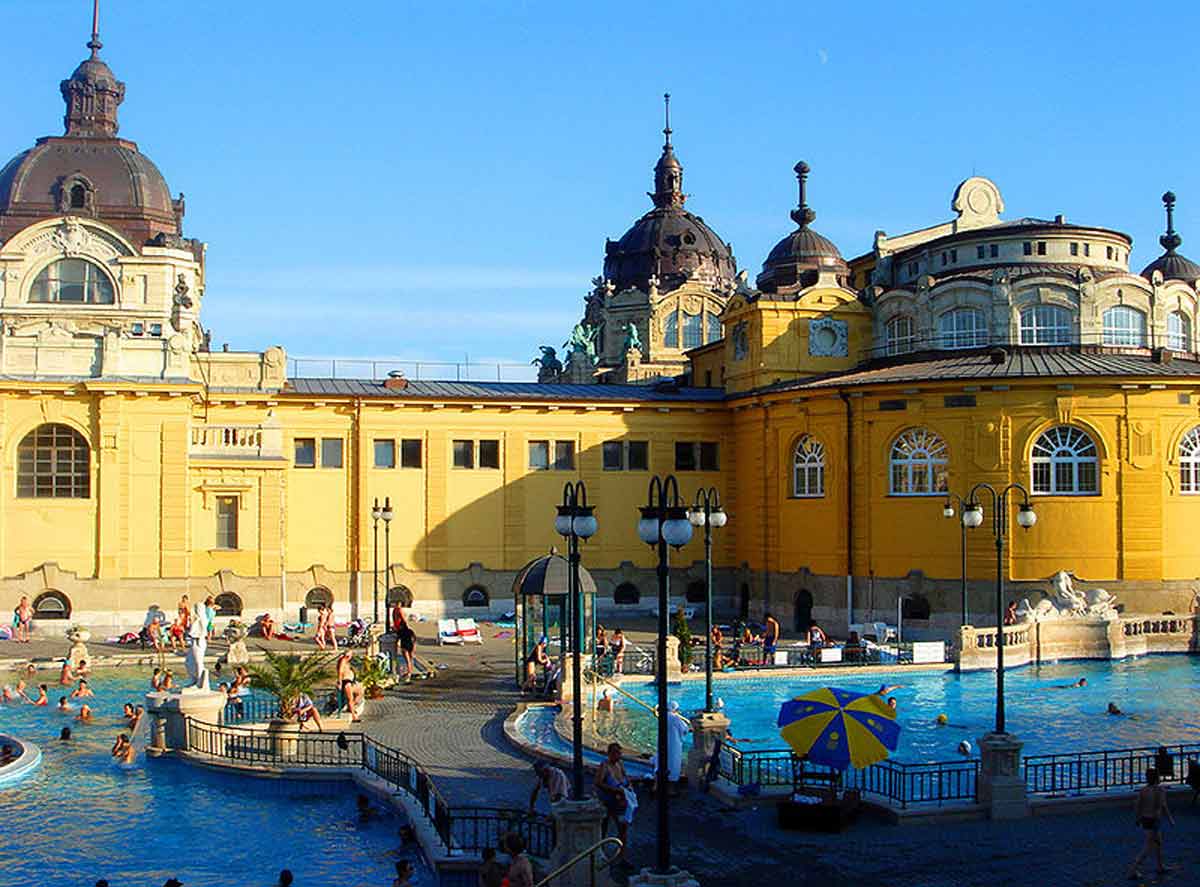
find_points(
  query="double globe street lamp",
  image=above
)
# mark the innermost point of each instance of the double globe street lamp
(708, 513)
(972, 517)
(384, 513)
(576, 520)
(664, 522)
(948, 513)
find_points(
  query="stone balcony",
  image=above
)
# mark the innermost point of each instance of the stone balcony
(263, 441)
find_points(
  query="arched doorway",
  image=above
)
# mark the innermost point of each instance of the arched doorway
(476, 596)
(51, 605)
(228, 604)
(627, 594)
(695, 593)
(802, 605)
(317, 597)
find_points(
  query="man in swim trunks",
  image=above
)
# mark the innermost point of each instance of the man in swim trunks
(1149, 807)
(770, 636)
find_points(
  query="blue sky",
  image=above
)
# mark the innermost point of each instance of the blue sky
(437, 180)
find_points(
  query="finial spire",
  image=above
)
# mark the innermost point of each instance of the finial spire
(94, 44)
(666, 115)
(1170, 241)
(802, 215)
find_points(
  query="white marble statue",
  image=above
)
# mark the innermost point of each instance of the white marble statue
(1067, 603)
(197, 646)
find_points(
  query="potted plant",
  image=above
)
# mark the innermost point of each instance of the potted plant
(372, 675)
(288, 677)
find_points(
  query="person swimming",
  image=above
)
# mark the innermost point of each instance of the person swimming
(1113, 710)
(64, 704)
(891, 701)
(82, 691)
(885, 689)
(85, 714)
(1082, 682)
(123, 751)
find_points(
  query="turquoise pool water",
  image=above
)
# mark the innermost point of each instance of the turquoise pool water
(79, 818)
(1160, 695)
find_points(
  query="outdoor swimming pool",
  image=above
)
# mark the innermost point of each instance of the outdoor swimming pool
(79, 818)
(1160, 695)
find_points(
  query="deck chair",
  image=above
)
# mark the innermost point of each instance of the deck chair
(468, 631)
(448, 632)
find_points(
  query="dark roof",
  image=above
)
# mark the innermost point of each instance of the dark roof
(1017, 363)
(418, 389)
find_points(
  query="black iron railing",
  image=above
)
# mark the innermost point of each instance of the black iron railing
(463, 830)
(1096, 772)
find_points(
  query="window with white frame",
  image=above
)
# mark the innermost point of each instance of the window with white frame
(808, 469)
(1046, 325)
(919, 464)
(227, 522)
(1189, 462)
(1179, 331)
(900, 334)
(671, 330)
(1124, 326)
(712, 324)
(72, 280)
(963, 328)
(1065, 463)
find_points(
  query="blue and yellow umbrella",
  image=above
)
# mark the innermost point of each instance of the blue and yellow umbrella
(839, 728)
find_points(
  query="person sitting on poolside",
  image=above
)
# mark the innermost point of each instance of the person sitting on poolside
(267, 625)
(85, 714)
(82, 691)
(817, 636)
(67, 675)
(7, 754)
(352, 690)
(305, 711)
(42, 698)
(63, 704)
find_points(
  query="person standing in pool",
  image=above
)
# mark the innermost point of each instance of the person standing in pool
(66, 677)
(42, 698)
(82, 691)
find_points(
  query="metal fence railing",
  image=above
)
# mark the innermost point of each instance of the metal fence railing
(443, 370)
(463, 830)
(1096, 772)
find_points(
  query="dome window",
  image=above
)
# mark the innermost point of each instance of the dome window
(78, 196)
(73, 281)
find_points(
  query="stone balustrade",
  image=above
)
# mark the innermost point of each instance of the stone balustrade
(263, 441)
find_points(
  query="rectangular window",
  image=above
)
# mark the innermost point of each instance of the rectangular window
(959, 400)
(953, 255)
(893, 405)
(1041, 247)
(331, 452)
(539, 455)
(1087, 249)
(1027, 248)
(156, 329)
(979, 252)
(489, 454)
(912, 269)
(410, 452)
(943, 259)
(685, 456)
(564, 455)
(1074, 249)
(638, 455)
(697, 456)
(614, 455)
(1108, 251)
(227, 522)
(306, 452)
(994, 250)
(385, 454)
(464, 454)
(709, 457)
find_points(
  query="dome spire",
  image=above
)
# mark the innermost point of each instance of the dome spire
(92, 93)
(802, 215)
(1170, 241)
(668, 172)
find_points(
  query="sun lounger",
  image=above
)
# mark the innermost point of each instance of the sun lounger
(468, 631)
(448, 632)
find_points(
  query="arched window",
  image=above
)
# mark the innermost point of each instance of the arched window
(1189, 462)
(808, 469)
(963, 328)
(53, 462)
(319, 596)
(713, 322)
(72, 280)
(918, 464)
(399, 594)
(1179, 331)
(1065, 463)
(695, 593)
(52, 605)
(228, 604)
(78, 196)
(671, 330)
(914, 606)
(476, 596)
(693, 330)
(1046, 325)
(1124, 326)
(627, 593)
(900, 335)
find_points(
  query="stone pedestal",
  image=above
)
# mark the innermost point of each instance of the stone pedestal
(1001, 786)
(390, 645)
(374, 632)
(708, 728)
(674, 878)
(171, 710)
(674, 669)
(79, 651)
(579, 826)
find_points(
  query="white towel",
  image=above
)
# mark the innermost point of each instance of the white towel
(630, 804)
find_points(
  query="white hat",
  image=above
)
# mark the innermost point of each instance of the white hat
(673, 705)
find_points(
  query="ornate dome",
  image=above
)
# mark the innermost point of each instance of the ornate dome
(89, 171)
(802, 255)
(1170, 264)
(669, 242)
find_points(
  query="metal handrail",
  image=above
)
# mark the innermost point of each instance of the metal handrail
(589, 853)
(653, 709)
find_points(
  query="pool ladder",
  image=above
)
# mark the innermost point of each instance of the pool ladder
(588, 855)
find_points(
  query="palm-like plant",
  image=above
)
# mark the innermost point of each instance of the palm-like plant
(288, 677)
(372, 675)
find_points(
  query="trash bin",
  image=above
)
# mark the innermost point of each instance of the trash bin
(304, 615)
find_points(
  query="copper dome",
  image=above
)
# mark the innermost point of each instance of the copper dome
(797, 259)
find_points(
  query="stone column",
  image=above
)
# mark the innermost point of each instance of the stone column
(174, 707)
(1001, 786)
(674, 878)
(580, 826)
(708, 728)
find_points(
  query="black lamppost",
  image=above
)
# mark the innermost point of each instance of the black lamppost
(972, 517)
(664, 522)
(576, 520)
(387, 514)
(948, 512)
(376, 514)
(708, 513)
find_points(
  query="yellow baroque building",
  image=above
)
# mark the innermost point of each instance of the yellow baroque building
(835, 404)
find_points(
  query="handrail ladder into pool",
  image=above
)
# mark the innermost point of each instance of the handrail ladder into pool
(28, 759)
(590, 855)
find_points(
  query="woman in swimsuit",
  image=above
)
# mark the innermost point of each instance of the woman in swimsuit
(66, 676)
(42, 698)
(618, 651)
(124, 751)
(82, 691)
(610, 784)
